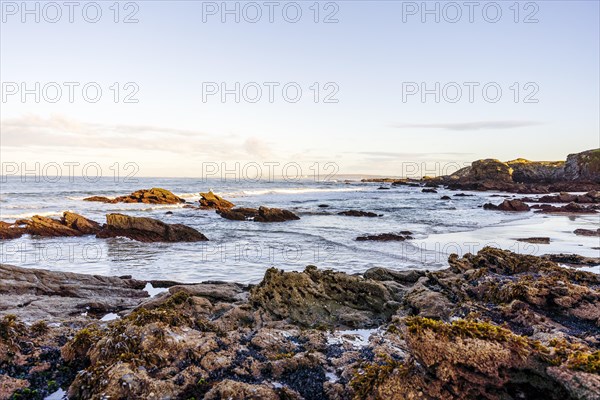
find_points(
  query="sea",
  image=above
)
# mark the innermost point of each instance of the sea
(242, 251)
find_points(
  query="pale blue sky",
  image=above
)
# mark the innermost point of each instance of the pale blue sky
(368, 54)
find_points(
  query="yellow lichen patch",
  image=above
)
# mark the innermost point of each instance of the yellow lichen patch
(465, 329)
(371, 375)
(584, 361)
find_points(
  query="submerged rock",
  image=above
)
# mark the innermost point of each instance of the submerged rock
(571, 208)
(147, 196)
(573, 259)
(587, 232)
(148, 230)
(386, 237)
(358, 213)
(212, 201)
(535, 240)
(262, 214)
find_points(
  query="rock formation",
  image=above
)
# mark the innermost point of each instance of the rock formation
(495, 325)
(148, 230)
(386, 237)
(581, 172)
(262, 214)
(212, 201)
(147, 196)
(508, 205)
(358, 213)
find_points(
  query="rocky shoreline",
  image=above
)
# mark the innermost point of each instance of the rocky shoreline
(494, 325)
(579, 173)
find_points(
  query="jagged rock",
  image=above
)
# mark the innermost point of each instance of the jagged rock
(10, 231)
(386, 237)
(262, 214)
(148, 196)
(148, 230)
(316, 297)
(44, 226)
(212, 201)
(508, 205)
(79, 223)
(525, 171)
(584, 166)
(358, 213)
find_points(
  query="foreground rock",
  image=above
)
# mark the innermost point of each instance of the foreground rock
(145, 229)
(508, 205)
(36, 294)
(147, 196)
(262, 214)
(212, 201)
(495, 325)
(39, 312)
(386, 237)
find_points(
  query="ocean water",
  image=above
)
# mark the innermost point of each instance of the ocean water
(241, 251)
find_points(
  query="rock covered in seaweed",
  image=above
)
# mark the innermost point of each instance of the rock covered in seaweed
(494, 325)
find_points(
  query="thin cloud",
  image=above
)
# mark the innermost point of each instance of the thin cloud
(471, 126)
(59, 132)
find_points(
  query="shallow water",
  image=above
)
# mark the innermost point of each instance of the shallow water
(242, 251)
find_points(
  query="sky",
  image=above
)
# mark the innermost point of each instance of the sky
(371, 87)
